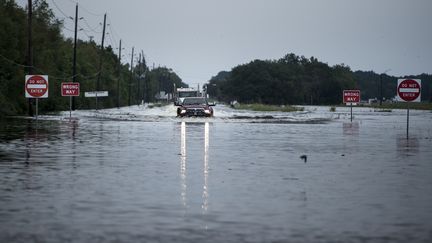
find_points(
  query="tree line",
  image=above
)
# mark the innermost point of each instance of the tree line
(53, 55)
(296, 79)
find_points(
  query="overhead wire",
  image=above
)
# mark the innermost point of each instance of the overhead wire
(13, 62)
(92, 29)
(66, 28)
(113, 35)
(60, 10)
(33, 67)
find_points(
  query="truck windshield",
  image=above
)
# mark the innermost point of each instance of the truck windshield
(194, 101)
(187, 94)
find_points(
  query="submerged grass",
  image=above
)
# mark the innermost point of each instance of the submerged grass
(262, 107)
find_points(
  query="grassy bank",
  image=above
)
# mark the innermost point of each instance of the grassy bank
(262, 107)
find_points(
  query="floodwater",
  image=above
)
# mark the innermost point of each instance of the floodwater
(139, 174)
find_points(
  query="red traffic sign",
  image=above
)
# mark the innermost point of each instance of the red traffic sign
(409, 90)
(70, 89)
(36, 86)
(351, 96)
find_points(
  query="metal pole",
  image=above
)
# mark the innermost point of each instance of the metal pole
(407, 134)
(70, 106)
(37, 108)
(351, 110)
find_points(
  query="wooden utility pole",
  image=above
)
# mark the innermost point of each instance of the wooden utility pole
(119, 76)
(130, 80)
(100, 59)
(74, 54)
(143, 63)
(139, 79)
(29, 50)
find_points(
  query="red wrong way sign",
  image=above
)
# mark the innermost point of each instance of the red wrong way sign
(70, 89)
(351, 96)
(36, 86)
(409, 90)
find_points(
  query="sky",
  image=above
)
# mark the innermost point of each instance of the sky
(199, 38)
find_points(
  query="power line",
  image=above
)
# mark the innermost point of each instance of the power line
(13, 62)
(112, 28)
(59, 9)
(85, 10)
(92, 29)
(66, 77)
(113, 43)
(66, 28)
(90, 12)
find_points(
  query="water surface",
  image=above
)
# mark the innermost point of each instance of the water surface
(142, 175)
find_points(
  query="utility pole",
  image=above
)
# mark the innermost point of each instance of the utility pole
(381, 87)
(145, 76)
(74, 54)
(381, 92)
(139, 79)
(29, 50)
(130, 80)
(119, 76)
(100, 59)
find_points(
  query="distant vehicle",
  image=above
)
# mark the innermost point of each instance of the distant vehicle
(195, 106)
(182, 93)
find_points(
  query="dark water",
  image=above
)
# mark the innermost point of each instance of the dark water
(216, 180)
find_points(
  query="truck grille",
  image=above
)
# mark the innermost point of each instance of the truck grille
(195, 112)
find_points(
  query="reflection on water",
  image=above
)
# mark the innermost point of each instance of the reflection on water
(183, 163)
(350, 128)
(407, 147)
(205, 194)
(183, 166)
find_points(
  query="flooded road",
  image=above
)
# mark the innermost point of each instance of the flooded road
(140, 174)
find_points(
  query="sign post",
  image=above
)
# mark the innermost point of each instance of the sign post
(36, 86)
(408, 90)
(351, 97)
(96, 94)
(70, 89)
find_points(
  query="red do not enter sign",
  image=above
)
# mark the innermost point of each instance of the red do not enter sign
(36, 86)
(409, 90)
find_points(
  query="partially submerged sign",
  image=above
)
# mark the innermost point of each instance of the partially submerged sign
(70, 89)
(96, 94)
(36, 86)
(409, 90)
(351, 97)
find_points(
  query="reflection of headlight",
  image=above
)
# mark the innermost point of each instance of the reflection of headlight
(182, 111)
(207, 111)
